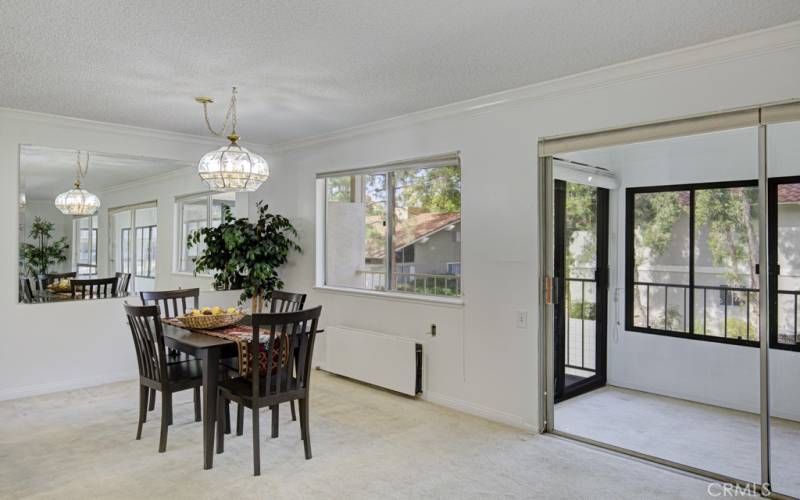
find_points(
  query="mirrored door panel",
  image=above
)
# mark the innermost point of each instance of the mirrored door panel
(783, 156)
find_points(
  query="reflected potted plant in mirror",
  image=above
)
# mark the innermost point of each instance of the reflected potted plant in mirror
(39, 256)
(244, 254)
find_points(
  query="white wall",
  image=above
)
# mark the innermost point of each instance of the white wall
(479, 362)
(49, 347)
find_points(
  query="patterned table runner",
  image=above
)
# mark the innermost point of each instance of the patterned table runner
(241, 335)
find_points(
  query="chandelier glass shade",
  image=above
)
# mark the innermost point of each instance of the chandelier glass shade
(230, 168)
(77, 201)
(233, 168)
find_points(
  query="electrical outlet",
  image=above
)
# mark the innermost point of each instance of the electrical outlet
(521, 319)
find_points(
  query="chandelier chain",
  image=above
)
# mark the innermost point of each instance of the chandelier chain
(82, 170)
(230, 116)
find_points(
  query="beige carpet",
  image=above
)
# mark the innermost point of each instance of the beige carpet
(367, 443)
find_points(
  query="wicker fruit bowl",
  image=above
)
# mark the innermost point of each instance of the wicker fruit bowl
(210, 319)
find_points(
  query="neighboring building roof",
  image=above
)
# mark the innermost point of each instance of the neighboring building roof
(788, 193)
(413, 229)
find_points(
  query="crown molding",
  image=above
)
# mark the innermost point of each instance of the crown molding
(98, 126)
(744, 46)
(189, 169)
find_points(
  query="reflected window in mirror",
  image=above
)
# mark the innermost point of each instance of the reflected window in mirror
(194, 213)
(85, 236)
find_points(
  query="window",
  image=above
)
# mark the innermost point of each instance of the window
(412, 214)
(125, 240)
(85, 249)
(194, 213)
(146, 251)
(692, 254)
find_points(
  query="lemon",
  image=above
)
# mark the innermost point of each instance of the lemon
(231, 310)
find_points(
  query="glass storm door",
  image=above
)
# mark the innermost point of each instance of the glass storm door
(581, 270)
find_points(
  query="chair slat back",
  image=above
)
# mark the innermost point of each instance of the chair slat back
(25, 290)
(290, 344)
(93, 288)
(148, 339)
(281, 302)
(47, 278)
(123, 280)
(172, 303)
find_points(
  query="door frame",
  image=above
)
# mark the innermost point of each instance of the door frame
(601, 277)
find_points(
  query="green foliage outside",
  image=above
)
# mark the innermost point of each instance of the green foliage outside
(40, 256)
(588, 312)
(246, 255)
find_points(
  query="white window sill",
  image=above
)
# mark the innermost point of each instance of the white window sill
(394, 296)
(192, 275)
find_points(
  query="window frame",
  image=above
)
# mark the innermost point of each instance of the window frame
(92, 230)
(147, 256)
(772, 221)
(630, 194)
(447, 160)
(180, 234)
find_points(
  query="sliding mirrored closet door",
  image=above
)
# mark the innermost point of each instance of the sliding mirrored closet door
(783, 162)
(702, 344)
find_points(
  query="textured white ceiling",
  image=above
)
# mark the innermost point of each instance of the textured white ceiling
(308, 67)
(45, 172)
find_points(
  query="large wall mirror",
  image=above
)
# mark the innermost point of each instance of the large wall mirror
(134, 241)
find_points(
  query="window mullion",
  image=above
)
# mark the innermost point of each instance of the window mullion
(389, 229)
(691, 259)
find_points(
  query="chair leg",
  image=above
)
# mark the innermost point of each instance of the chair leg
(197, 415)
(142, 409)
(162, 445)
(256, 449)
(169, 408)
(220, 424)
(275, 410)
(304, 426)
(294, 415)
(227, 416)
(239, 419)
(152, 400)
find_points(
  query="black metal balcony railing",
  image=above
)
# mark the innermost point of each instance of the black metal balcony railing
(580, 346)
(661, 314)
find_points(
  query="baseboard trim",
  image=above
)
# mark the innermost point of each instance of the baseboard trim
(66, 385)
(479, 411)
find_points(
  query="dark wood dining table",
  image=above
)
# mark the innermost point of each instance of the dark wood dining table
(209, 350)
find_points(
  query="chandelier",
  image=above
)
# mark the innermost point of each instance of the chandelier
(231, 167)
(78, 201)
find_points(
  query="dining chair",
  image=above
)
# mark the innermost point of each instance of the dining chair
(155, 374)
(177, 299)
(93, 287)
(284, 377)
(25, 291)
(123, 281)
(279, 301)
(171, 303)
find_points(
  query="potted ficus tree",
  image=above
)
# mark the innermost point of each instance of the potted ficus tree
(246, 255)
(39, 256)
